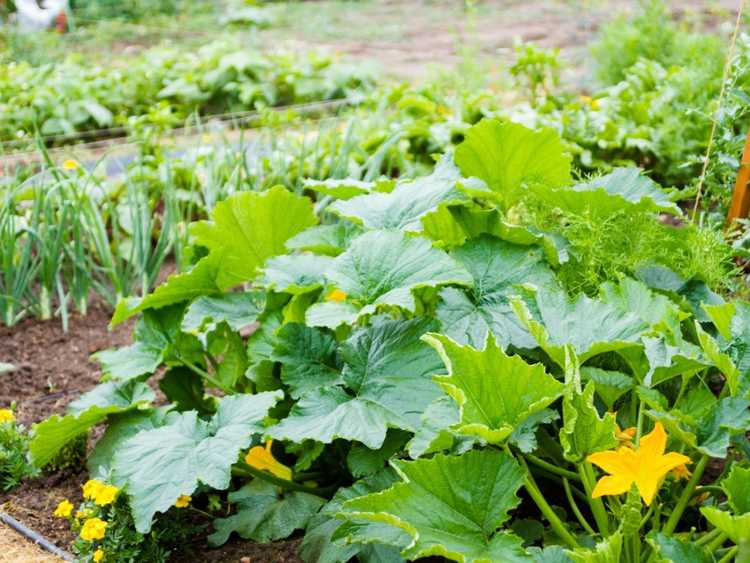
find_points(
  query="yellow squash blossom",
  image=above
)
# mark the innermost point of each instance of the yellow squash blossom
(64, 509)
(625, 437)
(6, 415)
(337, 295)
(681, 472)
(182, 501)
(262, 458)
(645, 466)
(98, 555)
(70, 164)
(93, 529)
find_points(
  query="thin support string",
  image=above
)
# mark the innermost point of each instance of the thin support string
(725, 76)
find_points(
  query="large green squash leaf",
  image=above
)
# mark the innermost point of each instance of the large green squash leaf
(295, 274)
(330, 240)
(130, 361)
(496, 267)
(591, 326)
(495, 392)
(451, 506)
(508, 157)
(381, 268)
(238, 310)
(622, 189)
(51, 435)
(159, 465)
(675, 550)
(200, 280)
(710, 429)
(736, 527)
(405, 206)
(606, 551)
(584, 431)
(388, 372)
(265, 513)
(329, 540)
(308, 358)
(737, 487)
(248, 228)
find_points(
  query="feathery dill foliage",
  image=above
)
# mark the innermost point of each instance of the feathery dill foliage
(605, 248)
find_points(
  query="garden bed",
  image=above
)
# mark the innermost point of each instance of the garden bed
(52, 369)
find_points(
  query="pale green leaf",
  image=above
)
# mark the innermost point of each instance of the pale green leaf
(295, 274)
(496, 267)
(495, 392)
(591, 326)
(50, 436)
(238, 310)
(451, 506)
(736, 527)
(388, 372)
(737, 487)
(248, 228)
(382, 268)
(405, 206)
(130, 361)
(509, 157)
(159, 465)
(584, 432)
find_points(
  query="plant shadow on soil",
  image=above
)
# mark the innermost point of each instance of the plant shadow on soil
(52, 369)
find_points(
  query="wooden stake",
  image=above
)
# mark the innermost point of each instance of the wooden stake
(741, 196)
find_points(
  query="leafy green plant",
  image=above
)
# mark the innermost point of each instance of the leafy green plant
(104, 528)
(14, 447)
(396, 368)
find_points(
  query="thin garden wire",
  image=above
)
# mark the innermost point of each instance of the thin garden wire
(714, 121)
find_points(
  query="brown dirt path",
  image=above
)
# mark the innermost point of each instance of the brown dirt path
(16, 549)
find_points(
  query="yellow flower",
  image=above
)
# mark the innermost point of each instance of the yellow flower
(93, 529)
(91, 488)
(98, 555)
(6, 415)
(645, 466)
(64, 509)
(336, 295)
(625, 437)
(262, 458)
(182, 501)
(106, 494)
(81, 514)
(70, 164)
(681, 472)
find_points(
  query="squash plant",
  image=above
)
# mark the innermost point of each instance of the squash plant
(397, 370)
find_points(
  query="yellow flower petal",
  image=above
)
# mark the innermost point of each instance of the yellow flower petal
(91, 488)
(98, 555)
(262, 458)
(6, 415)
(70, 164)
(611, 485)
(655, 442)
(93, 529)
(336, 295)
(183, 501)
(105, 494)
(681, 472)
(646, 466)
(64, 509)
